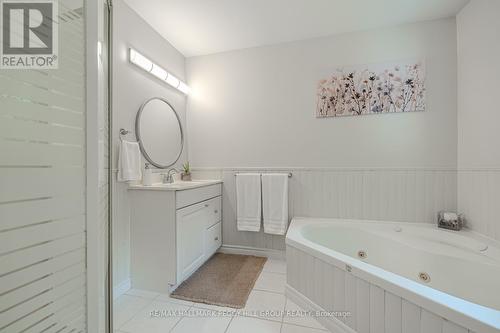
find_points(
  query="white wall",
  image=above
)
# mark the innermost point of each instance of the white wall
(255, 107)
(478, 26)
(131, 87)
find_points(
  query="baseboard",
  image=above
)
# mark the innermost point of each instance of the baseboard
(253, 251)
(121, 288)
(331, 323)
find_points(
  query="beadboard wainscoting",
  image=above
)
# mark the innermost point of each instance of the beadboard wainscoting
(479, 198)
(316, 285)
(391, 194)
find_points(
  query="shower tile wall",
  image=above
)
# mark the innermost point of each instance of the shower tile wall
(408, 195)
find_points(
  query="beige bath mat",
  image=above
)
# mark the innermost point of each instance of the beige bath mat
(225, 280)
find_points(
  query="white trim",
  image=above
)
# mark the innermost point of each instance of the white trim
(92, 165)
(121, 288)
(331, 323)
(252, 251)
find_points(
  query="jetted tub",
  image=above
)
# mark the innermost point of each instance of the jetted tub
(394, 277)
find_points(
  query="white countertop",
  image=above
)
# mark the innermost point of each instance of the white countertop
(177, 185)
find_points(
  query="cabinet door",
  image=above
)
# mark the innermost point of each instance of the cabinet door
(191, 228)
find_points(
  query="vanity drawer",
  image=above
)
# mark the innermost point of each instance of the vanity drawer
(214, 207)
(188, 197)
(213, 239)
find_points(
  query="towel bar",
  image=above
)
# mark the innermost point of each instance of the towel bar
(289, 174)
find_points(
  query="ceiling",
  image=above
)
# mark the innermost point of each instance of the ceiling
(199, 27)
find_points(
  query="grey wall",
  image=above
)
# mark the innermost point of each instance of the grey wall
(131, 87)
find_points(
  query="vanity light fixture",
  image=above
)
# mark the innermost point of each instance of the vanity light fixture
(142, 62)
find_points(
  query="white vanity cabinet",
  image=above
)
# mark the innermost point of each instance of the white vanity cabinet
(174, 229)
(196, 239)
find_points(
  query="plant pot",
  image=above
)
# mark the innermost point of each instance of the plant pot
(186, 177)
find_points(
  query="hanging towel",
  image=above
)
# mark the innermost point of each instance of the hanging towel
(275, 203)
(129, 162)
(248, 201)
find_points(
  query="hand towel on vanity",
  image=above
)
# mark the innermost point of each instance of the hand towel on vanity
(275, 203)
(129, 162)
(248, 201)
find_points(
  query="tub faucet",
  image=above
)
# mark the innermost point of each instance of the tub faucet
(168, 178)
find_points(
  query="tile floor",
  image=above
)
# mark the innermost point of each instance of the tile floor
(133, 311)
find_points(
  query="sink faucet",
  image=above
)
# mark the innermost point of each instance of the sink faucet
(168, 178)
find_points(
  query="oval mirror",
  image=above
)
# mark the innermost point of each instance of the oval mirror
(159, 132)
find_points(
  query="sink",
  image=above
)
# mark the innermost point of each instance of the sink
(176, 186)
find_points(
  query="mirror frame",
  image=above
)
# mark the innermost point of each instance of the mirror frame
(138, 133)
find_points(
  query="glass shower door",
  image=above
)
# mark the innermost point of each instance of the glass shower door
(43, 173)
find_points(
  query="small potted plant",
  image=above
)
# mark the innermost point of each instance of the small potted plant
(186, 172)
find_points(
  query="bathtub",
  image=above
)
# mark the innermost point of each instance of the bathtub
(393, 277)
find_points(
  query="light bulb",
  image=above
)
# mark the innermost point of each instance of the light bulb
(159, 72)
(183, 87)
(140, 60)
(172, 80)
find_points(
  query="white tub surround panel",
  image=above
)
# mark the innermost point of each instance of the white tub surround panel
(394, 194)
(373, 309)
(324, 278)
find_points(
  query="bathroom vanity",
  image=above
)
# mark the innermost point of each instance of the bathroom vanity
(174, 229)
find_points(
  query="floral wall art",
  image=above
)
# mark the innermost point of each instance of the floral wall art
(372, 89)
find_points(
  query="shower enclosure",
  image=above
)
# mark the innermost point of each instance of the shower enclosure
(54, 176)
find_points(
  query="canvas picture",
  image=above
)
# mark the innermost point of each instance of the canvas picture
(372, 89)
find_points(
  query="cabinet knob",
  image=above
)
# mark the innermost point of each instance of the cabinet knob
(216, 238)
(206, 205)
(216, 211)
